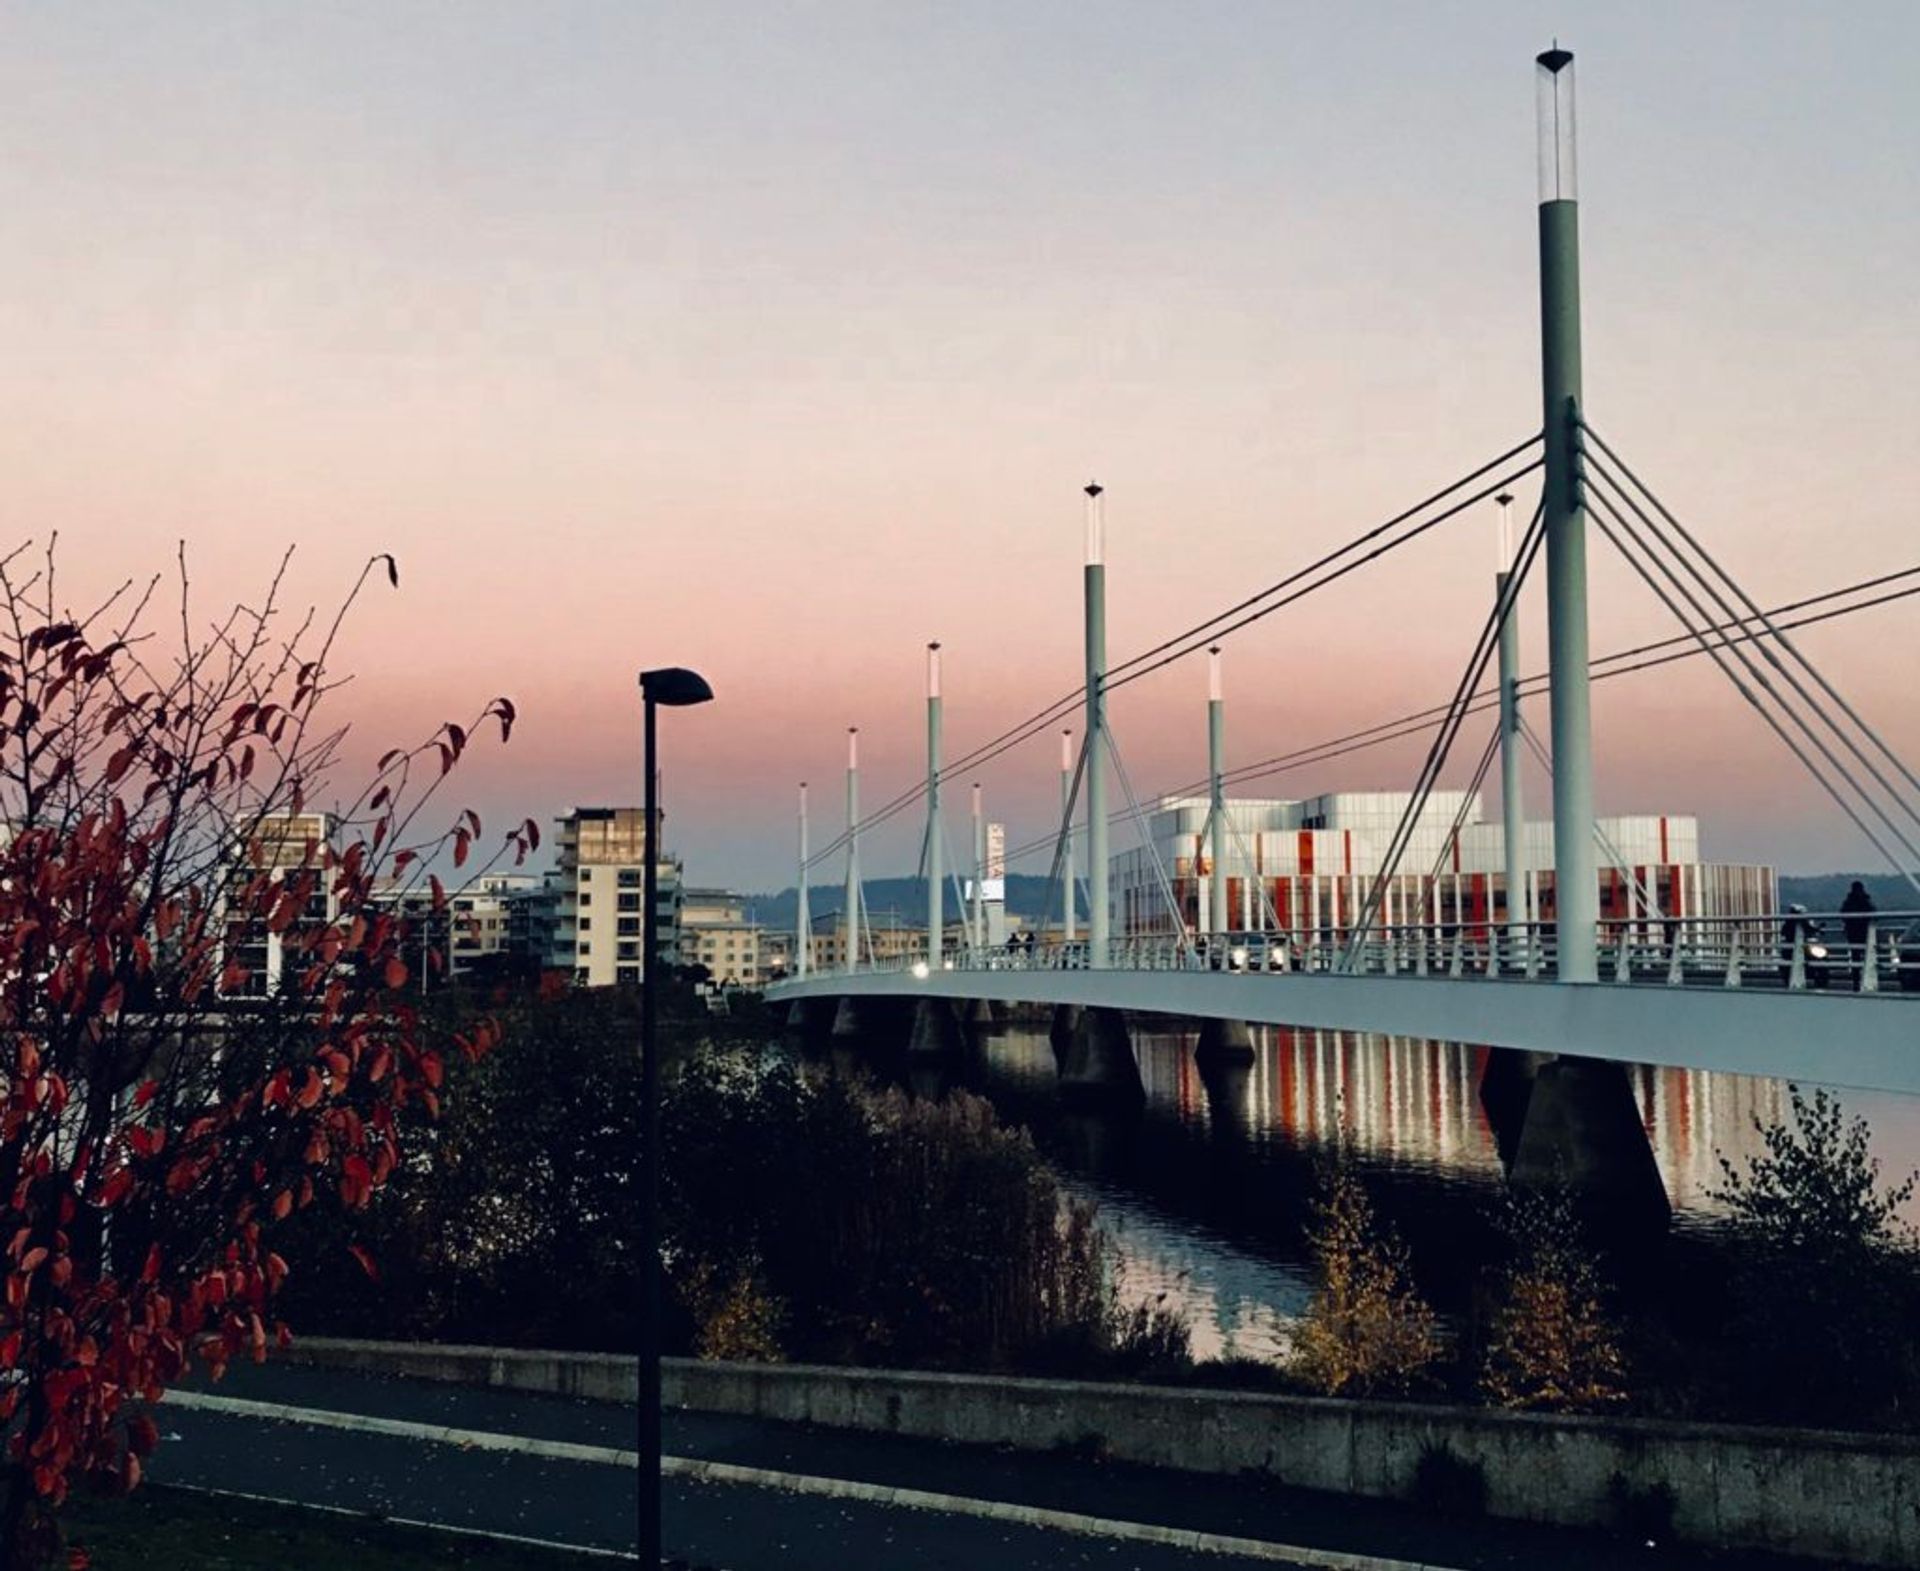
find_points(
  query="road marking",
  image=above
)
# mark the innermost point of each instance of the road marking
(699, 1470)
(405, 1429)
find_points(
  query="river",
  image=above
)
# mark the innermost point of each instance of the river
(1206, 1191)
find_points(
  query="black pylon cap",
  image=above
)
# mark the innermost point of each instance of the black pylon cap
(1555, 59)
(1504, 498)
(1094, 488)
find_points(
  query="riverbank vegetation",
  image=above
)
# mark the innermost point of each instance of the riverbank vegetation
(806, 1215)
(818, 1216)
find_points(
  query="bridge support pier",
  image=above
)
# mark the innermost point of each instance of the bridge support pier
(1066, 1020)
(977, 1015)
(1584, 1133)
(851, 1021)
(1224, 1042)
(810, 1020)
(1100, 1067)
(936, 1030)
(1506, 1087)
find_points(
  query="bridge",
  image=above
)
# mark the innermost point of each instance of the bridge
(1582, 961)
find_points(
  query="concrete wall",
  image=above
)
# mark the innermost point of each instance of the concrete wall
(595, 1377)
(1833, 1496)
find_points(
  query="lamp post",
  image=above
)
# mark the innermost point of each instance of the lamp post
(676, 688)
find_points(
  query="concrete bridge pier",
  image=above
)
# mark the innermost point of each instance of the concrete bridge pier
(1583, 1132)
(978, 1016)
(1066, 1019)
(1228, 1084)
(810, 1020)
(936, 1030)
(1506, 1087)
(1100, 1068)
(1224, 1042)
(852, 1020)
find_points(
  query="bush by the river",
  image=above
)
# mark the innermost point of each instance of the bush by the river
(1826, 1281)
(1367, 1329)
(1552, 1340)
(818, 1218)
(807, 1217)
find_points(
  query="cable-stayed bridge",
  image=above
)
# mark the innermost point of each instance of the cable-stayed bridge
(1574, 959)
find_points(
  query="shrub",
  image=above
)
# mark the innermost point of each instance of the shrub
(1824, 1275)
(1551, 1343)
(889, 1230)
(1367, 1329)
(733, 1317)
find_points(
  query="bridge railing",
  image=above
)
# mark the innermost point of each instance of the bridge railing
(1792, 951)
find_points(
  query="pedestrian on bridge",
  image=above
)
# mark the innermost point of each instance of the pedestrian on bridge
(1856, 909)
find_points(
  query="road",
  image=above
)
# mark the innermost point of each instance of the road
(558, 1471)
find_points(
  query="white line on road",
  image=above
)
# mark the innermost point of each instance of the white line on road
(699, 1470)
(405, 1429)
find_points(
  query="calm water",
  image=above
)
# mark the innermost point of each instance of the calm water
(1206, 1191)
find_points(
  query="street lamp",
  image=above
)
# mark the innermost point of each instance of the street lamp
(675, 687)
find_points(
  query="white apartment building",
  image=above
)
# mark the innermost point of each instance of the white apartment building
(1310, 865)
(474, 926)
(717, 932)
(599, 922)
(278, 846)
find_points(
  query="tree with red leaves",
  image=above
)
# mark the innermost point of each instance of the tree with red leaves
(165, 1097)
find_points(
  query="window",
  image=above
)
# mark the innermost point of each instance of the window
(586, 875)
(585, 923)
(586, 897)
(628, 926)
(585, 948)
(629, 950)
(629, 902)
(629, 878)
(627, 976)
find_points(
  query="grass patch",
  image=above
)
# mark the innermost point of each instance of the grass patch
(161, 1529)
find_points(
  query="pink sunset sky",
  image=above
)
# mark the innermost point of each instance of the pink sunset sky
(776, 340)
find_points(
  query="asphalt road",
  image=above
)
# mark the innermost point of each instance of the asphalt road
(589, 1503)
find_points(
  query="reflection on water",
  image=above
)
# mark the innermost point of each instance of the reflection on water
(1206, 1191)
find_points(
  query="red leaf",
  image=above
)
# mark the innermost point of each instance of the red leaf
(393, 568)
(366, 1261)
(461, 841)
(396, 972)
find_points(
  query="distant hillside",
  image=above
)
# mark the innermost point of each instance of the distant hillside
(1825, 891)
(1027, 893)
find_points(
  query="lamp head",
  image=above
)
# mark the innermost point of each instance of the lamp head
(675, 686)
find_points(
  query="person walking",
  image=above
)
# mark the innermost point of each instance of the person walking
(1855, 912)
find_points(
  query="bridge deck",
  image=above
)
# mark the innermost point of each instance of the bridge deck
(1865, 1041)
